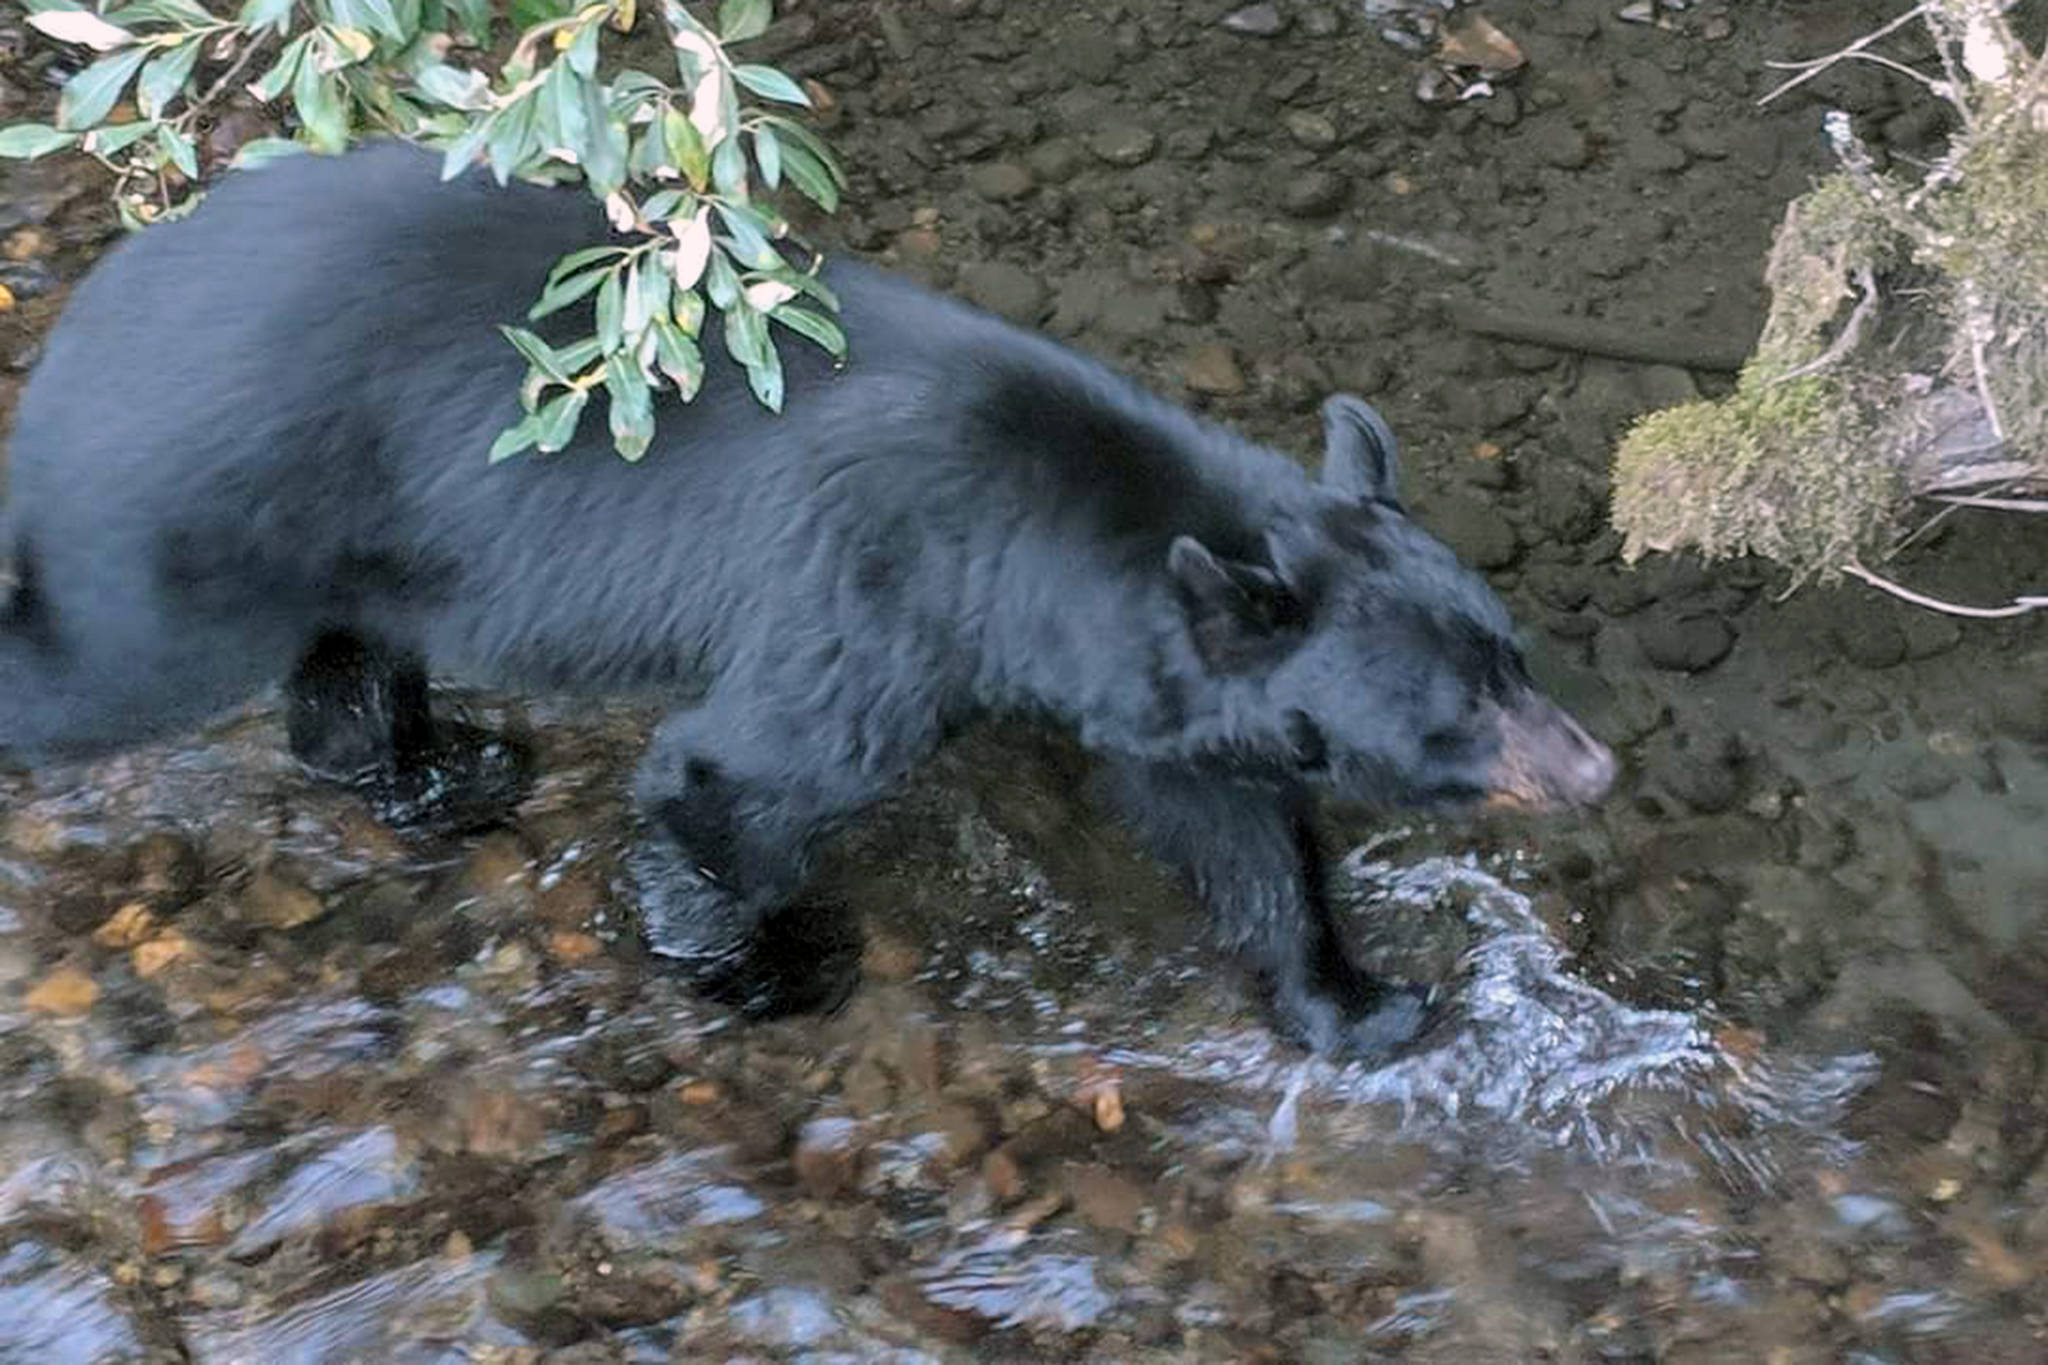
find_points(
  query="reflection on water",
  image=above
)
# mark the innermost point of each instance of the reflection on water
(382, 1104)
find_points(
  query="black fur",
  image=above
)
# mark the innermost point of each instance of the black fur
(255, 449)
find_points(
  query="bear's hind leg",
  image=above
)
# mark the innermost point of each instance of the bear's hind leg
(83, 680)
(358, 714)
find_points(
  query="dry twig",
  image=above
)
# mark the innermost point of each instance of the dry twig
(1809, 69)
(1851, 331)
(2019, 606)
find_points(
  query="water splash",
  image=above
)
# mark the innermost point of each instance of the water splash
(1530, 1056)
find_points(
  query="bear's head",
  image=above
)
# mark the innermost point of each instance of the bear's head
(1376, 664)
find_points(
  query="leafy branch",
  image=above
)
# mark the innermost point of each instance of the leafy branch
(676, 159)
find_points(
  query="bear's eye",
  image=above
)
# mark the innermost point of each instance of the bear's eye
(1311, 751)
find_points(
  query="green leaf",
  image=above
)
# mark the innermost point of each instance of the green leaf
(27, 141)
(686, 149)
(278, 79)
(451, 86)
(561, 97)
(384, 19)
(345, 46)
(791, 131)
(560, 295)
(583, 52)
(662, 206)
(768, 156)
(604, 149)
(537, 352)
(515, 439)
(690, 312)
(272, 14)
(80, 27)
(809, 175)
(164, 77)
(679, 358)
(750, 244)
(804, 283)
(720, 282)
(557, 421)
(765, 379)
(746, 335)
(177, 13)
(512, 139)
(576, 260)
(655, 286)
(461, 153)
(115, 137)
(262, 150)
(739, 20)
(771, 84)
(179, 149)
(729, 168)
(92, 92)
(815, 326)
(611, 326)
(633, 88)
(632, 407)
(632, 317)
(317, 95)
(576, 356)
(474, 16)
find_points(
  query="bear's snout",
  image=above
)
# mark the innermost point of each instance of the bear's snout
(1546, 759)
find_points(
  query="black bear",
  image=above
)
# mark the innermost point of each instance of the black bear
(254, 450)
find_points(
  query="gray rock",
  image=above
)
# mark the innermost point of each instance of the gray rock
(1212, 368)
(1322, 23)
(1000, 181)
(1503, 109)
(1929, 633)
(1005, 290)
(1314, 194)
(1478, 534)
(1256, 21)
(1921, 778)
(1312, 130)
(1559, 586)
(1055, 162)
(1556, 143)
(1702, 769)
(1566, 509)
(1870, 641)
(1088, 52)
(1190, 144)
(1123, 144)
(1689, 643)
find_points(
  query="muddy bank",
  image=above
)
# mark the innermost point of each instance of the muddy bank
(1747, 1066)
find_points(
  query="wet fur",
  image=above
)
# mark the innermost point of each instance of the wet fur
(255, 450)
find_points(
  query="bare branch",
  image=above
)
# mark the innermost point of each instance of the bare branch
(1808, 70)
(2019, 606)
(1995, 504)
(1851, 331)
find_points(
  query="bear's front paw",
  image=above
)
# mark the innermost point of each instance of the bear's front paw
(1400, 1016)
(795, 960)
(807, 961)
(1372, 1025)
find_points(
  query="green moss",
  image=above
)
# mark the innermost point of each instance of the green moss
(1779, 469)
(1806, 462)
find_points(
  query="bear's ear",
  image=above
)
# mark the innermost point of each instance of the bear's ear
(1242, 615)
(1360, 456)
